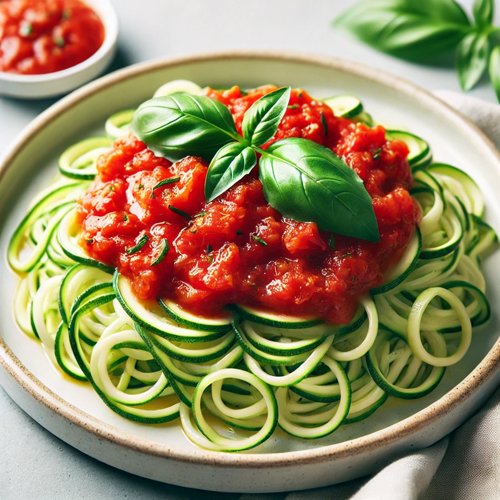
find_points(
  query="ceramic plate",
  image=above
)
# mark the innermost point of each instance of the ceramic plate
(75, 414)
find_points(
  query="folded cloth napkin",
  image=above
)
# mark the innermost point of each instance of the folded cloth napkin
(466, 464)
(463, 466)
(484, 114)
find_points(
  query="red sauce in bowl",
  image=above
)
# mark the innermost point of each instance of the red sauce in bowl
(237, 248)
(44, 36)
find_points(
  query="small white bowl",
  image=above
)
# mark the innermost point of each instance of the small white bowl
(60, 82)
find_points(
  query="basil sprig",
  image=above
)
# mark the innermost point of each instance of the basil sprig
(301, 179)
(429, 31)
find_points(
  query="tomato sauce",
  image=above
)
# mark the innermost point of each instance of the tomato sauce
(43, 36)
(237, 248)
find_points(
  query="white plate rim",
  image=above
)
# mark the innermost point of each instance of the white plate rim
(480, 375)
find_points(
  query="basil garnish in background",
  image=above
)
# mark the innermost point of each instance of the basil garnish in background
(300, 178)
(494, 69)
(483, 11)
(181, 124)
(409, 29)
(472, 59)
(429, 31)
(309, 182)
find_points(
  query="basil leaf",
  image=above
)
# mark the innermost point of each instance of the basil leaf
(472, 59)
(437, 10)
(263, 117)
(182, 124)
(308, 182)
(483, 12)
(415, 30)
(494, 70)
(231, 163)
(443, 10)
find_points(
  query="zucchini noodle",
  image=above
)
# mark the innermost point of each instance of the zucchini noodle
(231, 380)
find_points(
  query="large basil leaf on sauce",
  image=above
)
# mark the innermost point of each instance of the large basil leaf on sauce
(308, 182)
(231, 163)
(182, 124)
(261, 120)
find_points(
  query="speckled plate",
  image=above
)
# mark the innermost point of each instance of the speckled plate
(75, 414)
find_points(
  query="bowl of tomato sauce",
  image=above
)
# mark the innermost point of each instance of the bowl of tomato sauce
(49, 47)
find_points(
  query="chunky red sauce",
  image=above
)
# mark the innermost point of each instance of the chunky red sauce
(237, 248)
(43, 36)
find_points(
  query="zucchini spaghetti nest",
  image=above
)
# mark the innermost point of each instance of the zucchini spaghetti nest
(232, 378)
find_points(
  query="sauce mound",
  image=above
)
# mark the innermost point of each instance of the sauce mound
(237, 248)
(43, 36)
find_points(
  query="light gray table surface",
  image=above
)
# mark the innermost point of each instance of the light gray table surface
(35, 464)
